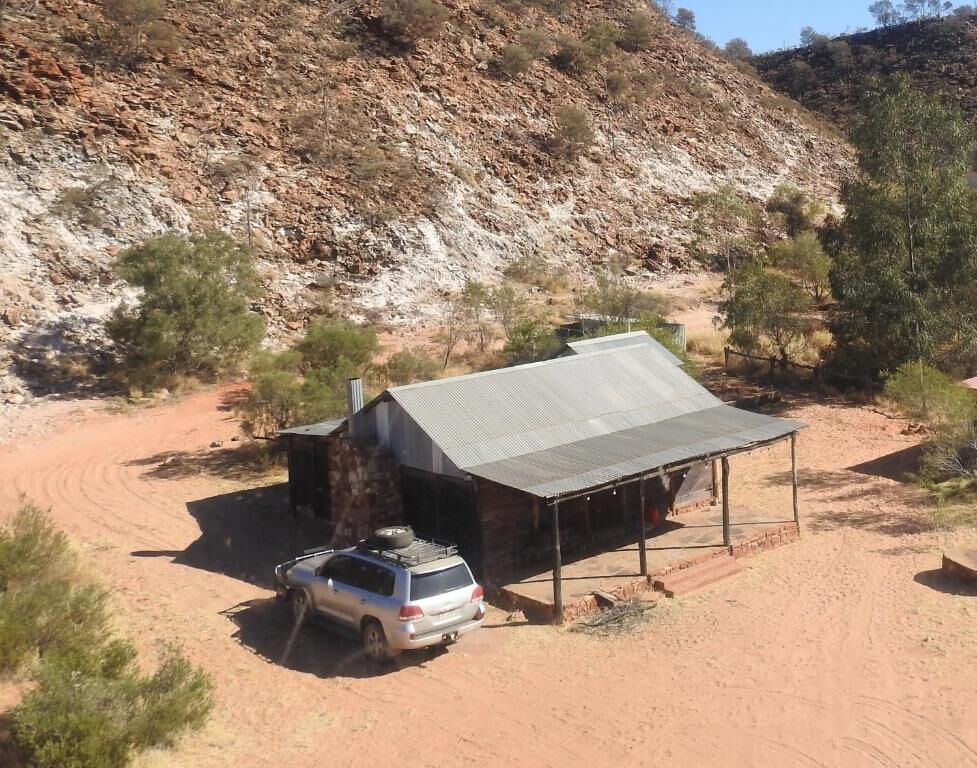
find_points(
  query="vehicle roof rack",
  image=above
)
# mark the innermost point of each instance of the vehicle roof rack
(418, 552)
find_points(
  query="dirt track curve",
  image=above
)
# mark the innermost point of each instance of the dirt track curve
(845, 649)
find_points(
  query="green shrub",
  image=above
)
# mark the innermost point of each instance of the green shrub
(330, 343)
(800, 78)
(805, 258)
(91, 707)
(763, 307)
(194, 315)
(102, 715)
(308, 383)
(413, 20)
(530, 340)
(406, 367)
(572, 56)
(602, 37)
(537, 42)
(795, 208)
(738, 49)
(925, 394)
(617, 301)
(31, 548)
(572, 134)
(515, 60)
(639, 32)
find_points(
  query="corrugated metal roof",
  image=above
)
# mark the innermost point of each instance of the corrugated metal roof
(620, 340)
(320, 429)
(569, 415)
(605, 459)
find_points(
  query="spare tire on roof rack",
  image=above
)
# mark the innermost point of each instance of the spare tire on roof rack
(392, 537)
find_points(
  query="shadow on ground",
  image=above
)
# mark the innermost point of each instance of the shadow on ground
(244, 534)
(899, 466)
(242, 462)
(854, 502)
(265, 627)
(937, 579)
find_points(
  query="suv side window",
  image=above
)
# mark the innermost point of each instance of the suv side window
(380, 581)
(373, 578)
(340, 568)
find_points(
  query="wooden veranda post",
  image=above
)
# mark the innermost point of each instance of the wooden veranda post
(726, 536)
(642, 535)
(557, 566)
(793, 479)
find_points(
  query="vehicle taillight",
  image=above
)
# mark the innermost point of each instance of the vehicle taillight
(478, 593)
(408, 612)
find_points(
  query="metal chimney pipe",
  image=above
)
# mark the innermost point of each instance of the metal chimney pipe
(354, 405)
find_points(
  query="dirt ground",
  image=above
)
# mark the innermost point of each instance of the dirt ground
(846, 649)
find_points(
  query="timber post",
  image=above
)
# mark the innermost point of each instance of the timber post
(793, 480)
(557, 566)
(727, 539)
(642, 535)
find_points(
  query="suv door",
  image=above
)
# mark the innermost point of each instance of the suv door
(369, 592)
(331, 586)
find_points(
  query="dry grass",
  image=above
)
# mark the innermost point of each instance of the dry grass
(707, 343)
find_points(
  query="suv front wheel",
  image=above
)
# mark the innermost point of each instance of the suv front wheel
(375, 644)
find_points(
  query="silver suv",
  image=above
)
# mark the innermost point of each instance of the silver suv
(396, 591)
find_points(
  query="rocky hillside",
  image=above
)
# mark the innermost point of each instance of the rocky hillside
(940, 55)
(364, 168)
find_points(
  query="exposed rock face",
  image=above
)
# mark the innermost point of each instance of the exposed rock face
(940, 55)
(94, 158)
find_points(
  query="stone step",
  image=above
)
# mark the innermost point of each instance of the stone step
(689, 580)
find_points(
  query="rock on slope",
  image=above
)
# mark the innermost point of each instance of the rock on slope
(95, 157)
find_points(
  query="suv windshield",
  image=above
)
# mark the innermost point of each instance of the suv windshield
(436, 582)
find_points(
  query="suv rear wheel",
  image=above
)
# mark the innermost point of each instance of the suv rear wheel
(375, 644)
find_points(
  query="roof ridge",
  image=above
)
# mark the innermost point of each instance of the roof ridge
(514, 368)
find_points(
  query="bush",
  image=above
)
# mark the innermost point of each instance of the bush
(841, 55)
(90, 706)
(194, 315)
(925, 394)
(515, 60)
(534, 270)
(617, 301)
(136, 27)
(762, 307)
(639, 32)
(42, 610)
(800, 78)
(572, 134)
(537, 42)
(795, 208)
(738, 49)
(337, 344)
(573, 56)
(601, 37)
(806, 259)
(101, 716)
(406, 367)
(413, 20)
(308, 383)
(530, 340)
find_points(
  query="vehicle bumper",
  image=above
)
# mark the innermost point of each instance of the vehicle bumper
(402, 639)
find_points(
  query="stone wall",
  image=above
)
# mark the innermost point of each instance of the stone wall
(365, 488)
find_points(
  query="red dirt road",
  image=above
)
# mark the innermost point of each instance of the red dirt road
(843, 650)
